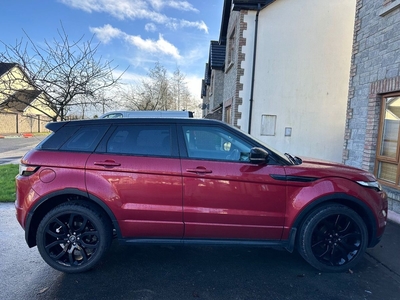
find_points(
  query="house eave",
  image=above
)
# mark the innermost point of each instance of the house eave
(250, 4)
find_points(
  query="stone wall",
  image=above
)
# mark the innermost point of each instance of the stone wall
(375, 71)
(233, 70)
(376, 57)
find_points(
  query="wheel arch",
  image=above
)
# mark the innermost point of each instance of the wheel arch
(54, 199)
(338, 198)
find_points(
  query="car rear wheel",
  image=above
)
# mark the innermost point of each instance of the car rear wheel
(333, 238)
(73, 237)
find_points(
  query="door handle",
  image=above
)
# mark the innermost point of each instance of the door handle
(199, 170)
(107, 163)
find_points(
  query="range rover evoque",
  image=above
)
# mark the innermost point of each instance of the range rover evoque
(189, 181)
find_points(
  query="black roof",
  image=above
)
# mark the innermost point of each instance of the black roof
(250, 4)
(216, 61)
(54, 126)
(238, 5)
(207, 74)
(5, 67)
(226, 13)
(21, 99)
(217, 55)
(203, 88)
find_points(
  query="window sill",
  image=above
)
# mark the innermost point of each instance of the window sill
(389, 8)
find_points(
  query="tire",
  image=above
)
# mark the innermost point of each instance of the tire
(333, 238)
(73, 237)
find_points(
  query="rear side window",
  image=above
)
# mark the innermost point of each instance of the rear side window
(85, 139)
(57, 139)
(141, 140)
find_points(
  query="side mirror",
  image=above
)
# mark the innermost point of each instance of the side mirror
(258, 156)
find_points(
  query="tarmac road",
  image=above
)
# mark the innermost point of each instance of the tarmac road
(156, 272)
(13, 148)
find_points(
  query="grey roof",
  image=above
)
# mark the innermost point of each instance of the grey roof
(216, 60)
(203, 88)
(207, 74)
(5, 67)
(250, 4)
(217, 55)
(238, 5)
(20, 100)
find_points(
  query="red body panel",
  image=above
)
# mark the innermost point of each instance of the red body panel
(144, 193)
(58, 171)
(333, 179)
(232, 200)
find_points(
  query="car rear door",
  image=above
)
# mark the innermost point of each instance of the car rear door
(136, 171)
(225, 196)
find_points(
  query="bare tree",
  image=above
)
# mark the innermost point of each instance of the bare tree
(66, 74)
(184, 100)
(179, 88)
(152, 93)
(159, 91)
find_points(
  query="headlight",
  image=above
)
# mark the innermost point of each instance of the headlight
(371, 184)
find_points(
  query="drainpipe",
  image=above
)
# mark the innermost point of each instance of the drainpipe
(254, 68)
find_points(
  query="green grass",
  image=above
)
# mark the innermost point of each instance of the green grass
(7, 182)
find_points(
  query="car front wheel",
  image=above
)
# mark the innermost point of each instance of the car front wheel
(333, 238)
(73, 237)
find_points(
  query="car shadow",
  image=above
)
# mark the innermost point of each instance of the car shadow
(207, 272)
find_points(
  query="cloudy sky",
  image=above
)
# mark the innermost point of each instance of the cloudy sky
(134, 33)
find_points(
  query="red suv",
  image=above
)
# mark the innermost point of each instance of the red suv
(189, 181)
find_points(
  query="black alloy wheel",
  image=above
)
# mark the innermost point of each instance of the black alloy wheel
(73, 237)
(333, 238)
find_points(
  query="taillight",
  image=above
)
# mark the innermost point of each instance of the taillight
(25, 170)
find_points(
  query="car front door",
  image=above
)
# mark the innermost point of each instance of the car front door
(225, 196)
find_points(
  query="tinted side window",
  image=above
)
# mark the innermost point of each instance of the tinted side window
(211, 142)
(85, 139)
(141, 140)
(57, 139)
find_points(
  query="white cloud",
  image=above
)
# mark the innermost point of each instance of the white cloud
(150, 27)
(160, 46)
(180, 5)
(139, 9)
(194, 85)
(132, 78)
(106, 33)
(199, 25)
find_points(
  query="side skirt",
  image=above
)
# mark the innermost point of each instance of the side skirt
(204, 242)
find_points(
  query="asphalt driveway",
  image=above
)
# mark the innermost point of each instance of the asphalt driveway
(156, 272)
